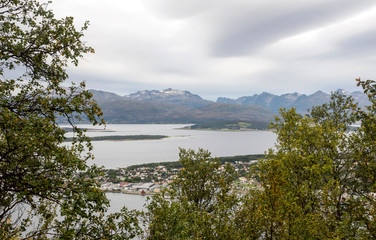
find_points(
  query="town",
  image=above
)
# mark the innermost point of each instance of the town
(151, 178)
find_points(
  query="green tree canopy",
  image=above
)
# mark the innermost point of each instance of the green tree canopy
(199, 204)
(319, 182)
(41, 179)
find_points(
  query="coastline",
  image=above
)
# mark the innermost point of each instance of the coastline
(130, 192)
(225, 130)
(123, 138)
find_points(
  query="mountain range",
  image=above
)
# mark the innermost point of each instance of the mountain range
(175, 106)
(301, 102)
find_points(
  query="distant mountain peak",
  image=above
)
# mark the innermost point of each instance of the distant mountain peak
(319, 92)
(168, 92)
(301, 102)
(169, 96)
(101, 96)
(175, 92)
(342, 92)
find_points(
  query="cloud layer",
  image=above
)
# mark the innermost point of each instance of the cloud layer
(225, 48)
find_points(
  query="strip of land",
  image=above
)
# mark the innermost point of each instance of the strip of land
(230, 126)
(176, 164)
(123, 138)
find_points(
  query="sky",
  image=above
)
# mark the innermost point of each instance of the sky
(227, 48)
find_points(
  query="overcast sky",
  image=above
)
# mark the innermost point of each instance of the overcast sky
(229, 48)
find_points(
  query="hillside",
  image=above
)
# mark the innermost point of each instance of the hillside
(301, 102)
(175, 106)
(129, 111)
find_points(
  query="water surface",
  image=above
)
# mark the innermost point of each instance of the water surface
(114, 154)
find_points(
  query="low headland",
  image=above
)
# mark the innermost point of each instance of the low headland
(123, 138)
(230, 126)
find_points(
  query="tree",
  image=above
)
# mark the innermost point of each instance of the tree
(201, 202)
(41, 179)
(319, 182)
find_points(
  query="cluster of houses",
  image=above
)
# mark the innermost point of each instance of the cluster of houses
(159, 174)
(149, 180)
(131, 188)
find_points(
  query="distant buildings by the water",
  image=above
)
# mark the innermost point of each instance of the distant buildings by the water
(150, 180)
(131, 188)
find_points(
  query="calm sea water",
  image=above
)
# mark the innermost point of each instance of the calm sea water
(118, 200)
(112, 154)
(115, 154)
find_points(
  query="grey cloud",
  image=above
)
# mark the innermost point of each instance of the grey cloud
(119, 86)
(180, 44)
(358, 46)
(177, 70)
(246, 31)
(173, 9)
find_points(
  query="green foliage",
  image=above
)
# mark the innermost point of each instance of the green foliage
(112, 175)
(168, 165)
(241, 158)
(42, 180)
(200, 171)
(319, 182)
(200, 204)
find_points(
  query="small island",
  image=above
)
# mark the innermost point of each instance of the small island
(123, 138)
(230, 126)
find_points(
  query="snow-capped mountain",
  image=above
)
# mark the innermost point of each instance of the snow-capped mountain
(170, 96)
(175, 106)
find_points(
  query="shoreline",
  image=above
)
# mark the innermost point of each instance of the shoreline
(122, 138)
(129, 192)
(226, 130)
